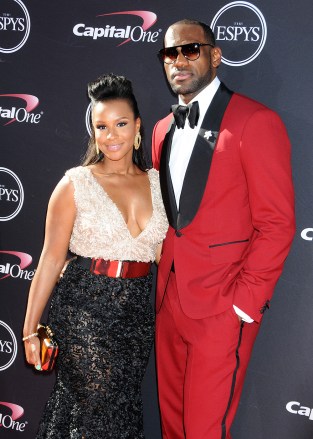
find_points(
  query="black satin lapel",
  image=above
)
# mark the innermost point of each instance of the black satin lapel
(194, 182)
(166, 184)
(197, 173)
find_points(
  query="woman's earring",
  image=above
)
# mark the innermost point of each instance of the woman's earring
(137, 140)
(97, 149)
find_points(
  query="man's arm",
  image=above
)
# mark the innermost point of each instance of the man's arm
(265, 155)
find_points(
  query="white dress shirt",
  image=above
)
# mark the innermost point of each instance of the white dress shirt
(185, 138)
(182, 146)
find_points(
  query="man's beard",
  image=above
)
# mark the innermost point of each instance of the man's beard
(194, 87)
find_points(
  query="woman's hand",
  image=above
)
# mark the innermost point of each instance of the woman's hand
(32, 352)
(65, 266)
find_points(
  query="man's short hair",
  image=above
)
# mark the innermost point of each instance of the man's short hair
(206, 28)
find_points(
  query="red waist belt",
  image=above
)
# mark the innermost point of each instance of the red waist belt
(123, 269)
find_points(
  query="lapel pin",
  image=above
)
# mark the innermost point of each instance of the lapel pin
(208, 134)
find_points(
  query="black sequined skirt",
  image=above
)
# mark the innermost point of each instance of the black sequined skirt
(105, 328)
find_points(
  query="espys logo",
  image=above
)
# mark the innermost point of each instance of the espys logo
(16, 113)
(243, 27)
(307, 234)
(9, 267)
(11, 194)
(298, 409)
(9, 421)
(8, 346)
(127, 32)
(14, 25)
(88, 119)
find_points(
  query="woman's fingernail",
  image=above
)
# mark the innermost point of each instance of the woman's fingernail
(38, 367)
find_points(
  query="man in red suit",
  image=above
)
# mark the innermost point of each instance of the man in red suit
(226, 182)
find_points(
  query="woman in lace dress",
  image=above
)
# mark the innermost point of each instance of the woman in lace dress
(109, 213)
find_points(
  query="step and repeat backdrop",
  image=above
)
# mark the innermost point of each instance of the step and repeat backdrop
(49, 51)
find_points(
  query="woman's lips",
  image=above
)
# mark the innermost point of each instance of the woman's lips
(114, 147)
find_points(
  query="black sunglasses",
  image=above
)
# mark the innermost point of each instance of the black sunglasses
(190, 51)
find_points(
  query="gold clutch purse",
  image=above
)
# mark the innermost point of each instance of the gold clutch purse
(49, 348)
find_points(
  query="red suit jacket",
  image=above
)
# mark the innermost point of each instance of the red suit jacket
(235, 224)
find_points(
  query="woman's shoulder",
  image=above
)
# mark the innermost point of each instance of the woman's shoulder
(153, 174)
(78, 174)
(154, 181)
(75, 172)
(79, 180)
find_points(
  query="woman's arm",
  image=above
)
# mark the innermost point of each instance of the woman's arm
(59, 224)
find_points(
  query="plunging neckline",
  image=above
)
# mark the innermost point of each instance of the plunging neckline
(104, 192)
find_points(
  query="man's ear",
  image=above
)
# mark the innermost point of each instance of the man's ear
(216, 56)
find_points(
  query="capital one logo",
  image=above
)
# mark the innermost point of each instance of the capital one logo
(13, 264)
(9, 413)
(19, 111)
(107, 29)
(8, 346)
(14, 25)
(297, 409)
(240, 29)
(307, 234)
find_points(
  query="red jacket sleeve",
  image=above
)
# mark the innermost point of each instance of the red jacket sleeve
(265, 156)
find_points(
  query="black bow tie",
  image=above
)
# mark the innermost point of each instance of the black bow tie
(182, 111)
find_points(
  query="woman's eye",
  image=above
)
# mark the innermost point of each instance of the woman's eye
(101, 127)
(121, 124)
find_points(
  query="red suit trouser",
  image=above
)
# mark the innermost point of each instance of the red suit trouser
(201, 364)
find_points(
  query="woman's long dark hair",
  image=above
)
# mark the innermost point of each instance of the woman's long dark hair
(107, 88)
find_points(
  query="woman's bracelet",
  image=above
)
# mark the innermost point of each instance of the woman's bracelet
(34, 334)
